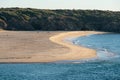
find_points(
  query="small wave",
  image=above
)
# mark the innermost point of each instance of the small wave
(105, 54)
(89, 45)
(78, 61)
(89, 35)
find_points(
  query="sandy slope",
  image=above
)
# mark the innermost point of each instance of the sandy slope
(33, 46)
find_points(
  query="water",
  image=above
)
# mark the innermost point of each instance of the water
(105, 67)
(106, 45)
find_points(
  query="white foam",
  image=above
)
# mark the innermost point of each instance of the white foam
(105, 54)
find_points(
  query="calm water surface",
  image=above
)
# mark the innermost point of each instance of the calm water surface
(105, 67)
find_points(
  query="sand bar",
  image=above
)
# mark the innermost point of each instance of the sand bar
(42, 46)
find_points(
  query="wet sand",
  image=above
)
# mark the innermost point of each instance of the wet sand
(42, 46)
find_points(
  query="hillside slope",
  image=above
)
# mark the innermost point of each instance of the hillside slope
(38, 19)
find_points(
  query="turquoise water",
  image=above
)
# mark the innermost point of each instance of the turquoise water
(105, 67)
(106, 45)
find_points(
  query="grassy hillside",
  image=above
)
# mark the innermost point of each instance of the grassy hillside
(37, 19)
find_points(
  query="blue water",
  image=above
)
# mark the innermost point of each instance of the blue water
(105, 67)
(106, 45)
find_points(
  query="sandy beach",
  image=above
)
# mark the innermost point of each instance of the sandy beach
(42, 46)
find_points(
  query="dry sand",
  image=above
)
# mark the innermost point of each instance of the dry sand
(42, 46)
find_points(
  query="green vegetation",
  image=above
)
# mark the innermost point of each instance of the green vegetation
(37, 19)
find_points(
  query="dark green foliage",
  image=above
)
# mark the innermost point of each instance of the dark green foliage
(36, 19)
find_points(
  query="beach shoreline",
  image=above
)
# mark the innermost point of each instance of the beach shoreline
(58, 48)
(76, 52)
